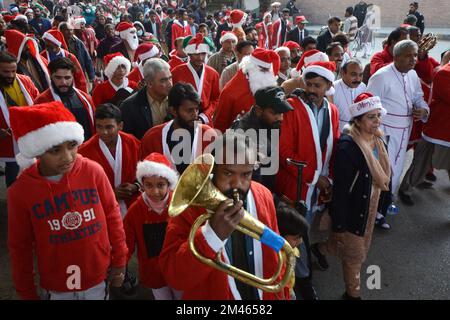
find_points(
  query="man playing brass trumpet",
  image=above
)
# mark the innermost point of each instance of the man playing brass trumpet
(217, 236)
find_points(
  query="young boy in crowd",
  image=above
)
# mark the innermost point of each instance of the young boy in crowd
(63, 208)
(146, 221)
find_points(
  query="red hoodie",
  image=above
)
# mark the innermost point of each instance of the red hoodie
(83, 230)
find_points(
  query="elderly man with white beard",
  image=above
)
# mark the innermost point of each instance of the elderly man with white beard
(130, 40)
(256, 71)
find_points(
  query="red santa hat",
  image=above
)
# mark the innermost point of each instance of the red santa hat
(259, 26)
(266, 59)
(156, 164)
(145, 51)
(308, 57)
(237, 18)
(291, 45)
(40, 127)
(325, 69)
(228, 36)
(300, 19)
(112, 61)
(266, 14)
(21, 17)
(124, 28)
(364, 103)
(8, 18)
(55, 37)
(195, 44)
(275, 4)
(77, 21)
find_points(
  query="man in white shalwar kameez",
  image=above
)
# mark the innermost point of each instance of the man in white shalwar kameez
(399, 89)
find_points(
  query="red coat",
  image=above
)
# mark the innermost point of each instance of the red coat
(207, 86)
(130, 157)
(380, 59)
(155, 139)
(138, 215)
(73, 222)
(436, 128)
(30, 92)
(136, 74)
(264, 37)
(276, 34)
(199, 281)
(79, 77)
(236, 98)
(47, 96)
(299, 141)
(104, 92)
(179, 31)
(175, 61)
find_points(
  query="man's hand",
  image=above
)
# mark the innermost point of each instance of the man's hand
(226, 218)
(324, 186)
(419, 114)
(4, 133)
(126, 191)
(116, 276)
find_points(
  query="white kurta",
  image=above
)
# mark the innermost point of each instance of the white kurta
(343, 98)
(399, 94)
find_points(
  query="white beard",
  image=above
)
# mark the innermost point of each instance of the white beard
(257, 79)
(132, 41)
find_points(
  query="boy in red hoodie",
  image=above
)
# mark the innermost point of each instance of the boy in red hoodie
(69, 216)
(146, 221)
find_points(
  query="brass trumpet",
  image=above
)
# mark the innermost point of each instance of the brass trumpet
(427, 42)
(196, 189)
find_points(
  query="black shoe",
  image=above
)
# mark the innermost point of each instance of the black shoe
(345, 296)
(321, 259)
(425, 185)
(431, 177)
(406, 199)
(304, 290)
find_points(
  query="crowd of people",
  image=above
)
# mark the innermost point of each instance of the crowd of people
(105, 105)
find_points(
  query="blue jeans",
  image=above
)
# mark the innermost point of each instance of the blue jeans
(11, 172)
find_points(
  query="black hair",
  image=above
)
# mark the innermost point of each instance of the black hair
(334, 19)
(396, 35)
(6, 57)
(152, 11)
(241, 45)
(182, 91)
(414, 4)
(108, 111)
(342, 39)
(307, 41)
(59, 19)
(443, 53)
(349, 10)
(350, 62)
(249, 29)
(290, 221)
(331, 47)
(286, 10)
(61, 63)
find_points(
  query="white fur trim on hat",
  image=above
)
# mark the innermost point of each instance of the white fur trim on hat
(150, 168)
(321, 71)
(260, 62)
(77, 21)
(37, 142)
(229, 36)
(283, 49)
(366, 105)
(194, 49)
(115, 63)
(149, 54)
(124, 34)
(51, 38)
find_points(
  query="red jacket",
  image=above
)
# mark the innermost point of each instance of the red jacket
(236, 98)
(175, 61)
(104, 92)
(380, 59)
(30, 92)
(198, 281)
(73, 222)
(426, 69)
(136, 74)
(178, 30)
(139, 215)
(299, 141)
(209, 87)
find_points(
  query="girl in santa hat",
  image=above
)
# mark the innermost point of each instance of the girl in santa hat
(146, 221)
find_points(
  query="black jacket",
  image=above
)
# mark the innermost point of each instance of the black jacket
(352, 187)
(293, 35)
(324, 40)
(136, 114)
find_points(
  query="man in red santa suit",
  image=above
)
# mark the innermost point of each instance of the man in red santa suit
(144, 52)
(180, 27)
(130, 41)
(29, 61)
(56, 47)
(177, 55)
(280, 28)
(266, 32)
(15, 90)
(256, 71)
(203, 78)
(184, 272)
(237, 19)
(117, 87)
(184, 138)
(116, 151)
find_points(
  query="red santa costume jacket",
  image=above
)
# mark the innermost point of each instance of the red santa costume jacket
(137, 74)
(300, 140)
(49, 96)
(75, 221)
(79, 77)
(207, 86)
(198, 281)
(276, 34)
(265, 37)
(140, 214)
(105, 91)
(155, 140)
(175, 60)
(436, 128)
(236, 98)
(180, 29)
(122, 167)
(8, 146)
(380, 59)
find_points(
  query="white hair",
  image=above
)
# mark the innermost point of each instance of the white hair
(153, 66)
(403, 45)
(283, 49)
